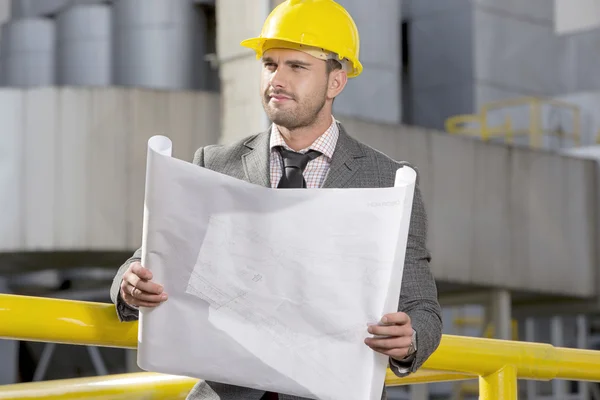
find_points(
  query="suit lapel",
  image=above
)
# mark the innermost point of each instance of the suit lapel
(345, 162)
(256, 161)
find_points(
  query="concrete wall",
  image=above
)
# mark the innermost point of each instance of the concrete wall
(72, 178)
(466, 53)
(500, 216)
(376, 94)
(4, 16)
(583, 60)
(441, 60)
(72, 162)
(588, 103)
(4, 10)
(557, 119)
(239, 69)
(576, 15)
(516, 51)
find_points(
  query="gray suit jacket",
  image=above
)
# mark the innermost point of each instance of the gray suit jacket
(354, 165)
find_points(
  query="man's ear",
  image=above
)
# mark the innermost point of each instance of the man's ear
(337, 82)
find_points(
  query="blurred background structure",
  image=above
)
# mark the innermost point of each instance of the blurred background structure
(496, 102)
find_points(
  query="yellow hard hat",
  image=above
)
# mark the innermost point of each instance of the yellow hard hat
(318, 27)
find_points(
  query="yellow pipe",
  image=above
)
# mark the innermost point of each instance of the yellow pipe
(577, 364)
(537, 361)
(426, 376)
(454, 124)
(86, 323)
(500, 385)
(144, 385)
(41, 319)
(150, 385)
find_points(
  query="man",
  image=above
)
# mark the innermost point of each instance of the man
(309, 48)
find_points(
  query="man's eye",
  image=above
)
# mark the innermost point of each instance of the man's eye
(296, 66)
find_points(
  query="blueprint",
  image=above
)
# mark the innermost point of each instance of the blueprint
(269, 289)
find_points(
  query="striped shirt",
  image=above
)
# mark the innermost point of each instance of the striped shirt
(317, 169)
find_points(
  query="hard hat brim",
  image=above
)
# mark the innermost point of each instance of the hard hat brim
(257, 44)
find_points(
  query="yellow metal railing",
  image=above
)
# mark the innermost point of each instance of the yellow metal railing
(139, 385)
(149, 385)
(497, 363)
(478, 125)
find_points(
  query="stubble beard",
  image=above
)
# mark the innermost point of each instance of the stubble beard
(302, 115)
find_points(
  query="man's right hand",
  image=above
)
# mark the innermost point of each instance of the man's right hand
(137, 288)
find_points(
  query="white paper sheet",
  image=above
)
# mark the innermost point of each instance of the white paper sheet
(270, 289)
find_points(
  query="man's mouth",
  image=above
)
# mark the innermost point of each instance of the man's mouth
(280, 97)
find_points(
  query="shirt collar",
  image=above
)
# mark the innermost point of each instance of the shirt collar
(325, 143)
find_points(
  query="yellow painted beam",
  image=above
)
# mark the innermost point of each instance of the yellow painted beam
(537, 361)
(457, 358)
(425, 376)
(135, 386)
(40, 319)
(154, 386)
(501, 385)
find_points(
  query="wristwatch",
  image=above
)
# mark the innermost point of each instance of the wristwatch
(412, 349)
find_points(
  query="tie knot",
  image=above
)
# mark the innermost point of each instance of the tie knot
(297, 160)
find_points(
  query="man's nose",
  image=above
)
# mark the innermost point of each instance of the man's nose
(277, 79)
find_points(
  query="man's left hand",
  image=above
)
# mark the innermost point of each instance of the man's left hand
(393, 335)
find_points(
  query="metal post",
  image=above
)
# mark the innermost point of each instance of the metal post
(9, 349)
(582, 343)
(419, 392)
(530, 337)
(97, 360)
(131, 361)
(500, 308)
(501, 384)
(535, 140)
(559, 387)
(42, 367)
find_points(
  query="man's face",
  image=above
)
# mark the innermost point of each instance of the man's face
(294, 87)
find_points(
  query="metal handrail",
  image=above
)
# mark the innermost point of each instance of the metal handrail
(535, 132)
(497, 363)
(133, 386)
(152, 385)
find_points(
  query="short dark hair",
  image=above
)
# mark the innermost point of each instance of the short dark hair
(333, 65)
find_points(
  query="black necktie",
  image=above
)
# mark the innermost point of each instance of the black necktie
(293, 167)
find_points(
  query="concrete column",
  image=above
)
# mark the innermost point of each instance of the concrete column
(440, 36)
(5, 12)
(242, 112)
(375, 94)
(500, 313)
